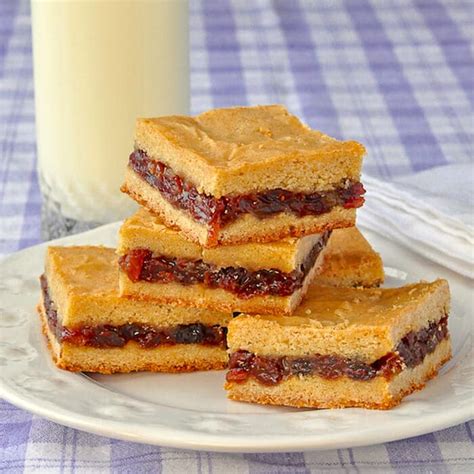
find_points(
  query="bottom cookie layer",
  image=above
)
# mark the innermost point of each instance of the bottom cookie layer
(132, 357)
(247, 228)
(318, 392)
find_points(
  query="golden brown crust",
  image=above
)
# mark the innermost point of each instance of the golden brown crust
(315, 392)
(350, 261)
(131, 357)
(248, 149)
(362, 324)
(245, 229)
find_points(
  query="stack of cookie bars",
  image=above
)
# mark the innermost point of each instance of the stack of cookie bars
(246, 247)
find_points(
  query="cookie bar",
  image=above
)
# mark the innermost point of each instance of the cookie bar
(344, 347)
(349, 260)
(90, 328)
(244, 174)
(160, 263)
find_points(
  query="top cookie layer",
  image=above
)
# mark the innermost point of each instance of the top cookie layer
(364, 324)
(249, 149)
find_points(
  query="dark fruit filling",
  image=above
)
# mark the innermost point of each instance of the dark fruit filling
(410, 352)
(141, 265)
(217, 212)
(146, 336)
(117, 336)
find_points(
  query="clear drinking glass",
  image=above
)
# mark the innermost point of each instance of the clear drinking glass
(98, 65)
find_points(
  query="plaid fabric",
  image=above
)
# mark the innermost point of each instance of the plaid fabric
(395, 74)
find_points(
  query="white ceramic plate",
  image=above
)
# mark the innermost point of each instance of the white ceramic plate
(191, 410)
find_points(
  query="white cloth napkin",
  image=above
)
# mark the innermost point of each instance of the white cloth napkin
(430, 212)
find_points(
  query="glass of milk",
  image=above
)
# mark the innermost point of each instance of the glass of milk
(98, 65)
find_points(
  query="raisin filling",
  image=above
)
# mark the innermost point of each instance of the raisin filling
(217, 212)
(146, 336)
(410, 352)
(141, 265)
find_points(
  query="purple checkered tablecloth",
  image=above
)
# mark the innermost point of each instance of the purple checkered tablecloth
(395, 74)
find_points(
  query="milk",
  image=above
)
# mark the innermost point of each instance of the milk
(98, 65)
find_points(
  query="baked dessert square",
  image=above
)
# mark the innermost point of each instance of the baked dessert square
(244, 174)
(344, 347)
(158, 262)
(349, 260)
(90, 328)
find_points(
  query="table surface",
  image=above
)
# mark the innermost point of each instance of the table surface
(395, 74)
